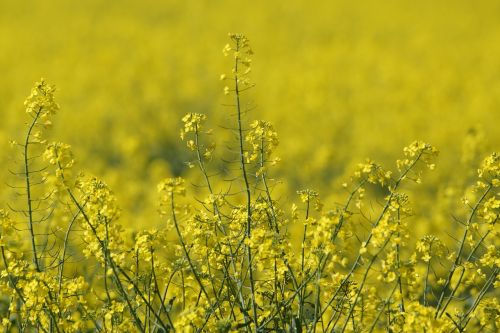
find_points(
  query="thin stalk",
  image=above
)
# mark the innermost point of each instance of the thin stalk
(31, 227)
(248, 231)
(302, 263)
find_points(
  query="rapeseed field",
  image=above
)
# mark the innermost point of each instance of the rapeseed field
(327, 166)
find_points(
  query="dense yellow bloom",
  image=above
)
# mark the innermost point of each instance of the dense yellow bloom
(490, 169)
(225, 257)
(263, 139)
(172, 186)
(60, 154)
(41, 102)
(430, 246)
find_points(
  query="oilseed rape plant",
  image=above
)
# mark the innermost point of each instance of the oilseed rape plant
(231, 253)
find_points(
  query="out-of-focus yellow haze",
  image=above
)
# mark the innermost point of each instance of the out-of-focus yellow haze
(341, 80)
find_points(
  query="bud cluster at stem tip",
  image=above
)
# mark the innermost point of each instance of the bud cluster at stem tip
(242, 52)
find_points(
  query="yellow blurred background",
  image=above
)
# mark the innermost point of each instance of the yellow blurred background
(341, 80)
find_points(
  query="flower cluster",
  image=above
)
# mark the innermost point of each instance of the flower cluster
(41, 103)
(263, 139)
(417, 152)
(171, 186)
(430, 246)
(372, 173)
(103, 236)
(241, 52)
(490, 170)
(193, 123)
